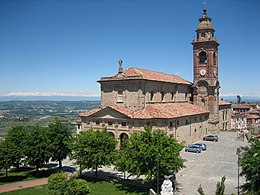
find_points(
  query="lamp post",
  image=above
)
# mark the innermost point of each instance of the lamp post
(238, 157)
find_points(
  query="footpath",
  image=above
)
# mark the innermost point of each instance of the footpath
(22, 185)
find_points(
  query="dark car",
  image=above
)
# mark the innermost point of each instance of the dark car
(202, 145)
(193, 148)
(211, 138)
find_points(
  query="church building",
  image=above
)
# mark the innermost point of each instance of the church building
(134, 98)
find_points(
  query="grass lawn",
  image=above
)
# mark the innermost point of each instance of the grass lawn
(40, 190)
(24, 174)
(97, 188)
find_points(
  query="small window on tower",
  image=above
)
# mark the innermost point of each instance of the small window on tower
(202, 34)
(203, 57)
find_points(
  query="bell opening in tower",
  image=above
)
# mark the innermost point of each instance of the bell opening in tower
(203, 57)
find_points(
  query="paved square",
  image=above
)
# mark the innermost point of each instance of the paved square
(208, 167)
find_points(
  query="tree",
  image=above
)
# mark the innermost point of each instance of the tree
(149, 153)
(250, 163)
(5, 155)
(38, 147)
(93, 149)
(200, 190)
(238, 99)
(16, 137)
(221, 187)
(60, 137)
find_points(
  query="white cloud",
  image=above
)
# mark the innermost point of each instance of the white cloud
(47, 94)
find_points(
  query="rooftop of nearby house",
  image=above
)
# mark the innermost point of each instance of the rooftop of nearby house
(242, 106)
(252, 116)
(222, 102)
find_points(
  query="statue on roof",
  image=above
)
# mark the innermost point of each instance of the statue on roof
(120, 70)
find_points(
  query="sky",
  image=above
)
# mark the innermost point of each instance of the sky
(62, 47)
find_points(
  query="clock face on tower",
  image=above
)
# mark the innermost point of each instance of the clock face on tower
(203, 72)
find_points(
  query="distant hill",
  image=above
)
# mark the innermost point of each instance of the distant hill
(48, 98)
(250, 99)
(233, 99)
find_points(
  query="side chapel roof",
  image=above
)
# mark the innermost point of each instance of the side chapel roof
(156, 111)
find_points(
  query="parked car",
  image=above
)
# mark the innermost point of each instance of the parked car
(257, 136)
(202, 145)
(193, 148)
(211, 138)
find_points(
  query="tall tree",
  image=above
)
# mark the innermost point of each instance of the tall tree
(238, 99)
(60, 137)
(5, 155)
(150, 153)
(17, 137)
(250, 163)
(93, 149)
(38, 150)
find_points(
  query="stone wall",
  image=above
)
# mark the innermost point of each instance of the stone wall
(225, 117)
(134, 94)
(187, 129)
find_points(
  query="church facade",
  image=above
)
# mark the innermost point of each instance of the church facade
(135, 97)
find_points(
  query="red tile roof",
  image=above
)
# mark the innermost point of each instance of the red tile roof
(138, 73)
(222, 103)
(90, 112)
(242, 106)
(169, 110)
(252, 116)
(157, 111)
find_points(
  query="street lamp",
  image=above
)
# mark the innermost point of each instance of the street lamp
(238, 157)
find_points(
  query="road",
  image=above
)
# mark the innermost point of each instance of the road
(208, 167)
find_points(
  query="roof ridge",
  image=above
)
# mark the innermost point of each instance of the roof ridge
(153, 71)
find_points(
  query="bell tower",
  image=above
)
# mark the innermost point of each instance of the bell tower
(205, 70)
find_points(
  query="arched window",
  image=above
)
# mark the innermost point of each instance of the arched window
(162, 96)
(123, 139)
(111, 134)
(214, 59)
(152, 94)
(203, 57)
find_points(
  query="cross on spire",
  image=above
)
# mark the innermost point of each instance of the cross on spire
(204, 5)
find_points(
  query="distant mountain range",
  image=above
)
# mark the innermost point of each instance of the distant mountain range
(232, 99)
(48, 98)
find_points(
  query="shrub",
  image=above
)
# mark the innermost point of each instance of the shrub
(60, 183)
(77, 187)
(57, 182)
